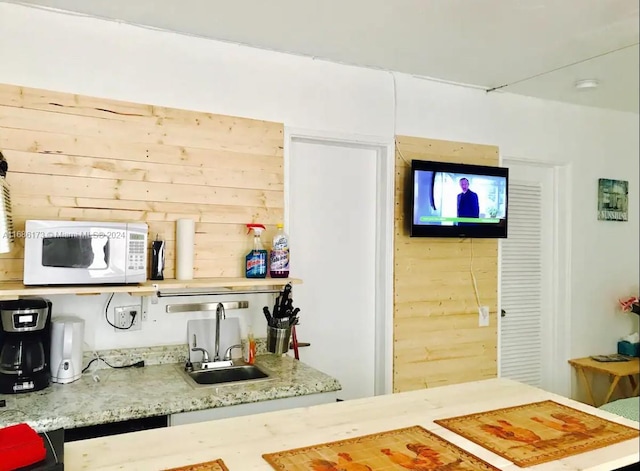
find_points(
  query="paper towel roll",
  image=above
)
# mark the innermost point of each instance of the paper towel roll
(185, 232)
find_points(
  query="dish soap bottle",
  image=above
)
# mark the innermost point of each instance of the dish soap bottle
(256, 260)
(279, 260)
(251, 347)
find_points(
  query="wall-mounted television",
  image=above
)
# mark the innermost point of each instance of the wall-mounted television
(457, 200)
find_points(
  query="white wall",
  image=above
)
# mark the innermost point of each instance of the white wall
(160, 328)
(93, 57)
(106, 59)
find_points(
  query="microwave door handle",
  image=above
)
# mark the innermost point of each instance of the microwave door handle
(106, 253)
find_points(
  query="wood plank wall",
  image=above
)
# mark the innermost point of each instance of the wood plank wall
(82, 158)
(437, 340)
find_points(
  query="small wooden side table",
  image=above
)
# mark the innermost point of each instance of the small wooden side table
(615, 370)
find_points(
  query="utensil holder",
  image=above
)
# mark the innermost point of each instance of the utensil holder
(278, 339)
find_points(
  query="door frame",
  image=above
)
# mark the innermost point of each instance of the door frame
(560, 332)
(385, 168)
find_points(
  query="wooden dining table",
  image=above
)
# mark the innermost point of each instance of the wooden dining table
(241, 441)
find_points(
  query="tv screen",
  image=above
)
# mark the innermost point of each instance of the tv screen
(458, 200)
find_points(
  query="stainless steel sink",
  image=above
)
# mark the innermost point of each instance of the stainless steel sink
(230, 374)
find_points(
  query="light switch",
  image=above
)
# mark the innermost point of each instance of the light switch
(483, 316)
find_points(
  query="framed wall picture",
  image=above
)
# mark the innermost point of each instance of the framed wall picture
(613, 200)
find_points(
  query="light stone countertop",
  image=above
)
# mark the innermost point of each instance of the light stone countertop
(131, 393)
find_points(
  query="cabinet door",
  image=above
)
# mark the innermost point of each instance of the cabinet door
(527, 278)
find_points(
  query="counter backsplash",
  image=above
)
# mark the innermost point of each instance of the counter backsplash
(159, 355)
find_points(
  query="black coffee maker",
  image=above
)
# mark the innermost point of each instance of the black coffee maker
(25, 343)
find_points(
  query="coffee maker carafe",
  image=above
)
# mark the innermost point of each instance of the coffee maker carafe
(25, 340)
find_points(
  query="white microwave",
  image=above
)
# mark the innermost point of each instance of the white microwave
(83, 253)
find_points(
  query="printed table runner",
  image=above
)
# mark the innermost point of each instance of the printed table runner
(536, 433)
(412, 448)
(217, 465)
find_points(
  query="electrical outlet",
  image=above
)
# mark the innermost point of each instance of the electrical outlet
(122, 318)
(483, 316)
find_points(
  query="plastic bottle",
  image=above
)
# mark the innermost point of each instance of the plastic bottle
(279, 260)
(256, 259)
(251, 347)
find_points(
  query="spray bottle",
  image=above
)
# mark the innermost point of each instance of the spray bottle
(256, 260)
(279, 260)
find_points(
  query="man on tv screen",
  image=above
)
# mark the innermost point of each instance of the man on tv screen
(468, 206)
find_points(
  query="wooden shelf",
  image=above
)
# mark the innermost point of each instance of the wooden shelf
(15, 289)
(200, 283)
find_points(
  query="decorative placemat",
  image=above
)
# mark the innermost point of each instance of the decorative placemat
(536, 433)
(412, 448)
(217, 465)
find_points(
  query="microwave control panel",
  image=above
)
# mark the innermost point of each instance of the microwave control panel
(137, 251)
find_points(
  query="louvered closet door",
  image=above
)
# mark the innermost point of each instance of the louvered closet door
(525, 274)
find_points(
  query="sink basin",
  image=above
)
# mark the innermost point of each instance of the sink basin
(231, 374)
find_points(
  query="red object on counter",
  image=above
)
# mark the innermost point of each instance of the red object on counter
(20, 446)
(294, 338)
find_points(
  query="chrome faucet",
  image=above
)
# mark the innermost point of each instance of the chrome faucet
(217, 362)
(220, 314)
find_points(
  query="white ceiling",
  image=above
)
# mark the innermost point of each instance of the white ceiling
(486, 43)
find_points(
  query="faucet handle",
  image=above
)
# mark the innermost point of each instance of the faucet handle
(205, 353)
(227, 354)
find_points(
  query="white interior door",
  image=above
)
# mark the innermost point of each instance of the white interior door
(332, 214)
(526, 327)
